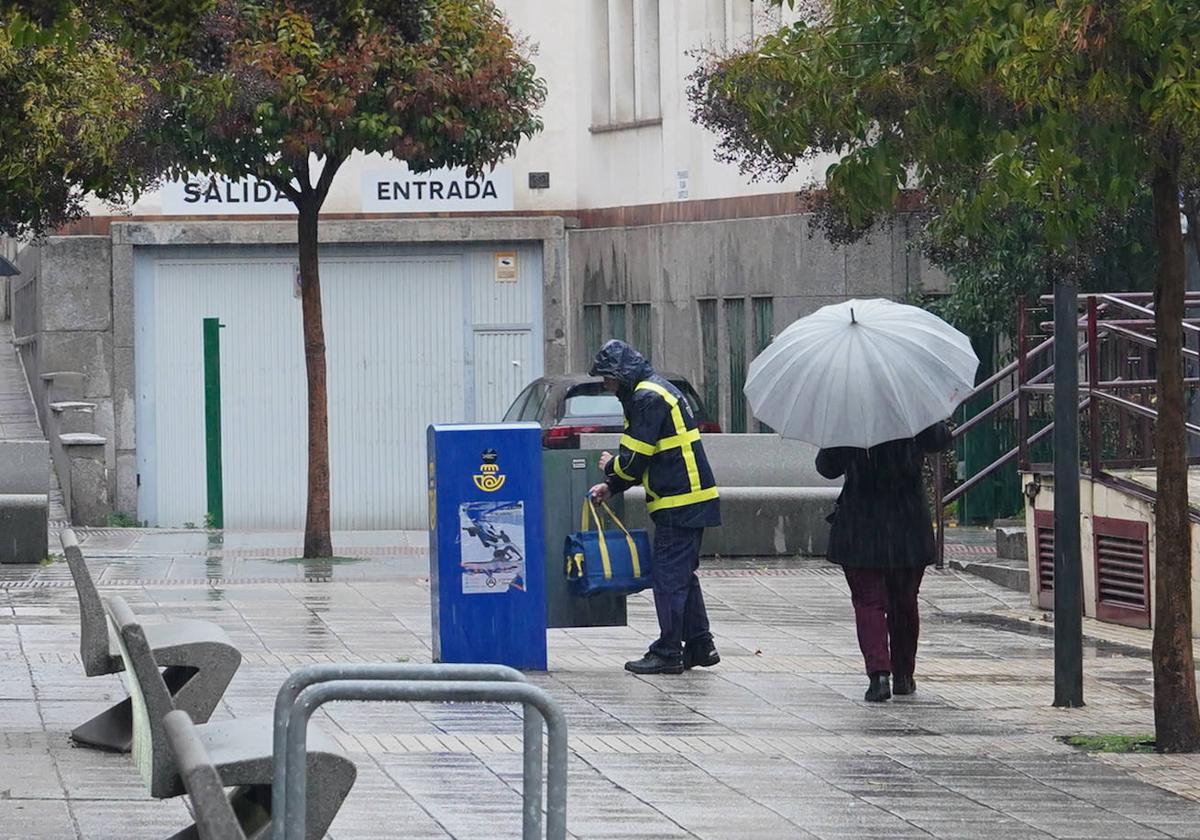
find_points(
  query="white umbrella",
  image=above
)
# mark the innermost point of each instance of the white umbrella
(860, 373)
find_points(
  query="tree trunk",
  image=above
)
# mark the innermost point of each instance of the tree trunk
(1176, 718)
(317, 540)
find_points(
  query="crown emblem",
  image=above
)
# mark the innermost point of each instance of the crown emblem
(489, 479)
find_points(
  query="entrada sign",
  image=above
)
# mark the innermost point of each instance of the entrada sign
(394, 189)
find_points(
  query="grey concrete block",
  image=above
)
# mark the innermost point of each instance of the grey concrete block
(72, 416)
(758, 521)
(127, 490)
(122, 295)
(124, 398)
(63, 386)
(749, 460)
(76, 283)
(90, 503)
(23, 527)
(1011, 543)
(24, 466)
(89, 353)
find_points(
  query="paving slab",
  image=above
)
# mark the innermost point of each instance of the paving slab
(775, 742)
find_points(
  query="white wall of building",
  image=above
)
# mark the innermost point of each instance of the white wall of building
(618, 129)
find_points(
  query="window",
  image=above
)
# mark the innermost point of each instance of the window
(532, 410)
(593, 405)
(591, 332)
(642, 339)
(711, 384)
(616, 321)
(514, 410)
(764, 331)
(625, 64)
(735, 329)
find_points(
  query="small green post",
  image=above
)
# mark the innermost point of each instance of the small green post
(212, 421)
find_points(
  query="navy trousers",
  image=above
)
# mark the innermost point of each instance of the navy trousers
(677, 598)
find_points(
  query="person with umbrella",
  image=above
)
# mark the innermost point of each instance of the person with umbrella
(882, 537)
(871, 382)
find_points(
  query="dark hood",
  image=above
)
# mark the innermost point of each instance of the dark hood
(620, 361)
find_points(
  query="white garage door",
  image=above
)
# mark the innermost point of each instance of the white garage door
(411, 340)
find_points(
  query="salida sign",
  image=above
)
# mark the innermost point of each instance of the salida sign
(214, 195)
(385, 189)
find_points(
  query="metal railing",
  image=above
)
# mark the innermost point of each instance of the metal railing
(308, 689)
(1110, 322)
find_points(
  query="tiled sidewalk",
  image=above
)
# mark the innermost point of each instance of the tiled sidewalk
(775, 742)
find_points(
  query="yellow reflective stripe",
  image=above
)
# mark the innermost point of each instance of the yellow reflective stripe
(620, 472)
(658, 389)
(679, 441)
(682, 499)
(684, 440)
(635, 445)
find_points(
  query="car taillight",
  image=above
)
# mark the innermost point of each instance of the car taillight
(567, 437)
(709, 427)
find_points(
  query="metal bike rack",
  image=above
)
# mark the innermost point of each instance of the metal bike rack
(309, 688)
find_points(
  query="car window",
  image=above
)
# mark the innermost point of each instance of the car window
(591, 400)
(514, 410)
(532, 410)
(593, 405)
(690, 395)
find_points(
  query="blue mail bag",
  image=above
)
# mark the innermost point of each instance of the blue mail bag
(607, 560)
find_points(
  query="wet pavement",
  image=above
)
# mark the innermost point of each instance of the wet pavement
(775, 742)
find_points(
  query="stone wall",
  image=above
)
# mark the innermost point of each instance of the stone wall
(673, 266)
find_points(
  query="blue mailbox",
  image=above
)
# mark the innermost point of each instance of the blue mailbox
(487, 568)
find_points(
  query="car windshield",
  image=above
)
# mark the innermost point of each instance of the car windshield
(591, 400)
(583, 404)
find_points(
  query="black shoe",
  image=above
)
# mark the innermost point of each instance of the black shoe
(879, 690)
(700, 655)
(903, 685)
(652, 663)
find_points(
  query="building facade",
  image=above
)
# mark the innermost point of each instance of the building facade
(444, 295)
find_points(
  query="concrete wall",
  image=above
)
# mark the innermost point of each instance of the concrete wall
(672, 266)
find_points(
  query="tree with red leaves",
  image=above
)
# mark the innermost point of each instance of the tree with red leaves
(286, 90)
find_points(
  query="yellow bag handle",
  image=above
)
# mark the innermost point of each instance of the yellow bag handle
(589, 507)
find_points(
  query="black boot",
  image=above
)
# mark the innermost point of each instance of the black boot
(903, 685)
(880, 688)
(700, 655)
(652, 663)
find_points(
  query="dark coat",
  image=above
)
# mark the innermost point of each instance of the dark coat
(661, 448)
(882, 520)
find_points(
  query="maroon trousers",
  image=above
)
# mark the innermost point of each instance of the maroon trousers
(885, 612)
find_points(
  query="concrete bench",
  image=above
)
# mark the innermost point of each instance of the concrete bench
(198, 656)
(241, 750)
(215, 819)
(773, 500)
(24, 500)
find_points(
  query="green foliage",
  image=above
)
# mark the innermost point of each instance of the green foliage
(1111, 743)
(121, 519)
(68, 109)
(1057, 109)
(270, 84)
(77, 96)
